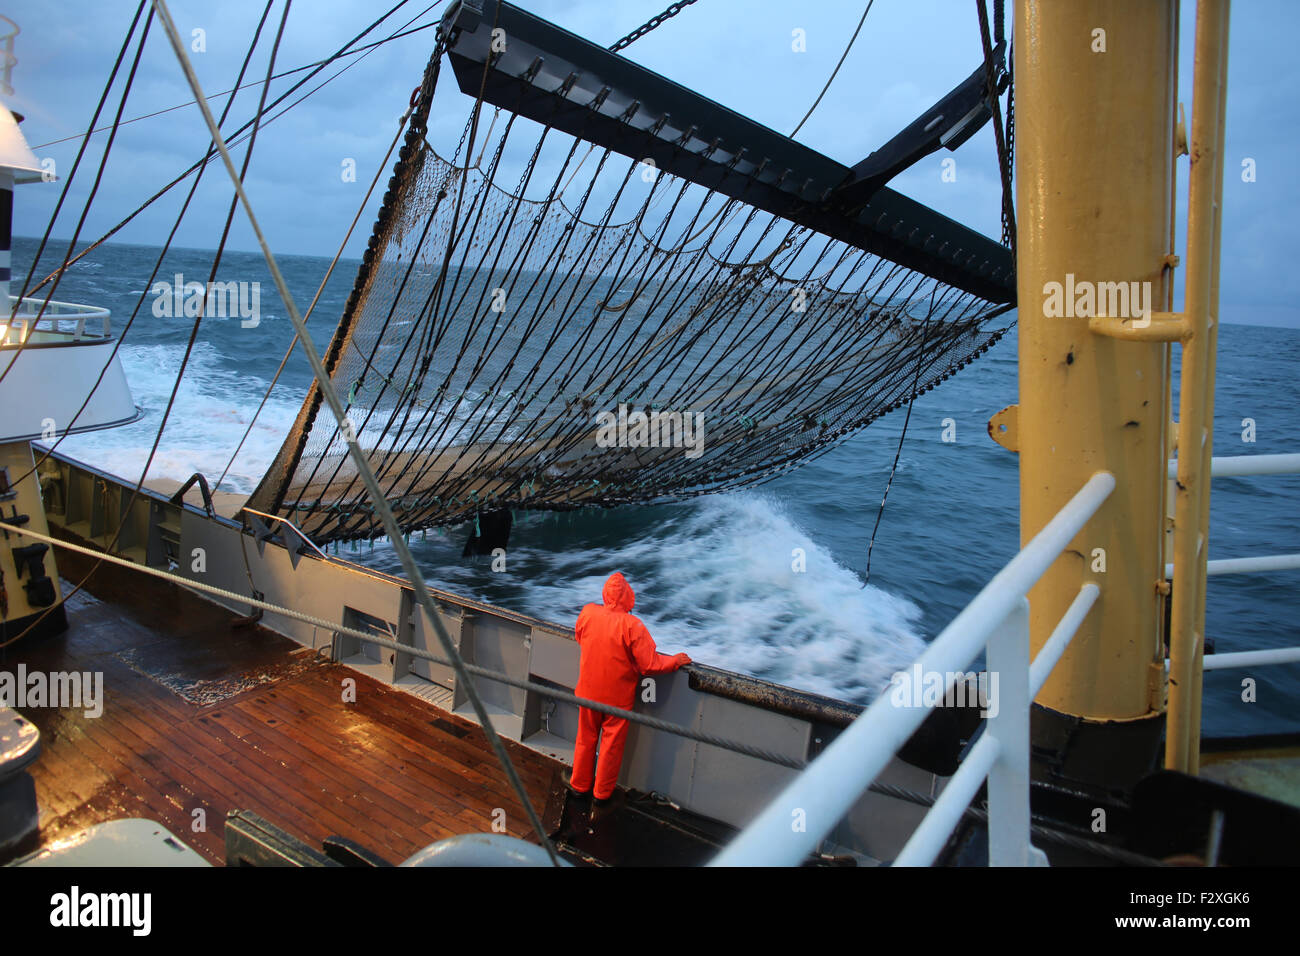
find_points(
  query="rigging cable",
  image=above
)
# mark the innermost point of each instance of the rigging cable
(67, 188)
(379, 172)
(408, 562)
(76, 163)
(238, 136)
(866, 575)
(834, 72)
(247, 86)
(1008, 218)
(176, 386)
(149, 284)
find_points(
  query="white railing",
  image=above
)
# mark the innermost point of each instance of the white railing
(1240, 466)
(792, 825)
(1269, 562)
(1278, 655)
(1243, 466)
(53, 316)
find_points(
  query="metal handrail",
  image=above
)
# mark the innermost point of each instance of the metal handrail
(1266, 562)
(1276, 655)
(179, 496)
(1244, 466)
(291, 526)
(52, 313)
(997, 618)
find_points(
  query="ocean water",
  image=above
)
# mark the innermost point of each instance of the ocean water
(714, 576)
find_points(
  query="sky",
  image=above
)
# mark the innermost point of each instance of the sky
(738, 52)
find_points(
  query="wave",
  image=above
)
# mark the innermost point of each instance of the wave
(213, 407)
(714, 577)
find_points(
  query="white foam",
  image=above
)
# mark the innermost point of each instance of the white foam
(212, 409)
(718, 583)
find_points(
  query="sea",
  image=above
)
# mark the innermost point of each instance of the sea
(767, 581)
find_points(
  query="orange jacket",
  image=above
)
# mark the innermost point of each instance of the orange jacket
(616, 648)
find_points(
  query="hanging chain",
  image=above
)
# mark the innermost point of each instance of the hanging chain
(651, 24)
(994, 84)
(1008, 220)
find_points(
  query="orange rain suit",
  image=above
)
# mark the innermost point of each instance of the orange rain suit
(616, 651)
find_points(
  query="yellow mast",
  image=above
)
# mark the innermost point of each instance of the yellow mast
(1095, 141)
(1095, 177)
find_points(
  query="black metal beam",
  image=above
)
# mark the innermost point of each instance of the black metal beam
(547, 74)
(949, 123)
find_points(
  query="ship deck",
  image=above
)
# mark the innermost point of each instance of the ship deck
(201, 711)
(200, 714)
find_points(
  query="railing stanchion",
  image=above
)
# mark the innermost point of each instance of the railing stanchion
(1007, 711)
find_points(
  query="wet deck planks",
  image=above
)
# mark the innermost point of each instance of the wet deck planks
(389, 771)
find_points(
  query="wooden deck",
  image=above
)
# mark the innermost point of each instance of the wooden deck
(201, 715)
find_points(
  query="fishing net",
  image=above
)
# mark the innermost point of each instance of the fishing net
(540, 323)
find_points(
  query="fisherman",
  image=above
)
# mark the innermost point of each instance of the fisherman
(617, 651)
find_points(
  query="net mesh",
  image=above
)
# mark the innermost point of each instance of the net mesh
(594, 331)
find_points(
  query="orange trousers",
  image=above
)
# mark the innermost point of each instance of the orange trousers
(612, 733)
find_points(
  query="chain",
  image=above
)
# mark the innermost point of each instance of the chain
(999, 133)
(1008, 225)
(651, 24)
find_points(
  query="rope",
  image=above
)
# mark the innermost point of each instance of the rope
(835, 72)
(249, 86)
(94, 187)
(81, 150)
(157, 265)
(866, 576)
(147, 285)
(379, 171)
(236, 139)
(390, 523)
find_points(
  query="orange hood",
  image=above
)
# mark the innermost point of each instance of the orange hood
(618, 594)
